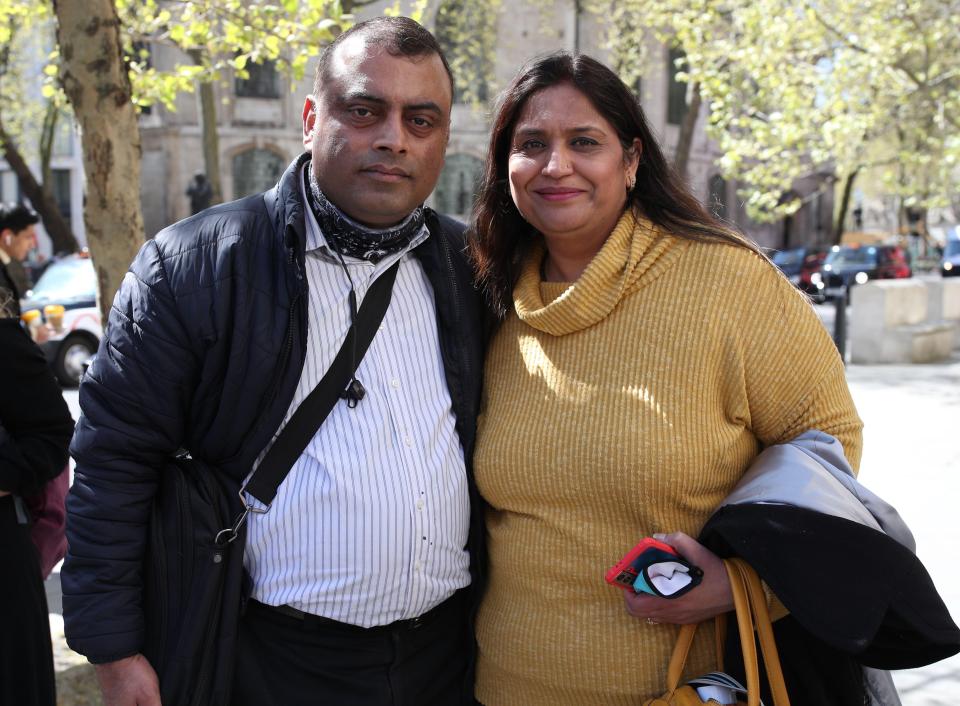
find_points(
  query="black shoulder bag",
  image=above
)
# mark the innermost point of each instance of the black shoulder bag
(193, 569)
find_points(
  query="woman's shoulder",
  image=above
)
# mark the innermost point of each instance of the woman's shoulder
(730, 262)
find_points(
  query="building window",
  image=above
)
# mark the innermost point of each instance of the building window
(261, 81)
(717, 199)
(61, 191)
(256, 170)
(458, 184)
(676, 89)
(463, 29)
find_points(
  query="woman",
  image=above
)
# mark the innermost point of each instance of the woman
(35, 429)
(645, 354)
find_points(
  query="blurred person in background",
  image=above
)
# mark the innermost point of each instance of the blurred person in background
(35, 429)
(18, 236)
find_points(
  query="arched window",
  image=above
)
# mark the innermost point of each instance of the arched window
(676, 89)
(261, 81)
(717, 199)
(458, 184)
(256, 170)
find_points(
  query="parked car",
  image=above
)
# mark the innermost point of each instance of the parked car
(849, 265)
(799, 265)
(70, 282)
(950, 263)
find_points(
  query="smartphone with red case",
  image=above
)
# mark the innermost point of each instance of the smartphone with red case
(631, 572)
(625, 572)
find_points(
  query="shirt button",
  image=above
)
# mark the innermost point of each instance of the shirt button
(408, 441)
(418, 566)
(395, 382)
(419, 504)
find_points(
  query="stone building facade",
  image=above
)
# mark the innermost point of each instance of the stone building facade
(259, 129)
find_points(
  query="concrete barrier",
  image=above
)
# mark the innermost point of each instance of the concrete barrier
(943, 303)
(892, 321)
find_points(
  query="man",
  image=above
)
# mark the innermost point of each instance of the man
(18, 234)
(226, 322)
(199, 192)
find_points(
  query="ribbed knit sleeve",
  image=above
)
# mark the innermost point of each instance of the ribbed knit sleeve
(793, 375)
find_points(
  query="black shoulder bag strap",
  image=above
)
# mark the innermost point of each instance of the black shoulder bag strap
(266, 479)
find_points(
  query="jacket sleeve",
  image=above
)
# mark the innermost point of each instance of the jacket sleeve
(134, 402)
(795, 380)
(35, 423)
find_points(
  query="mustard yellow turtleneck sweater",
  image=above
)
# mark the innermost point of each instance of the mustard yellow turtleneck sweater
(627, 403)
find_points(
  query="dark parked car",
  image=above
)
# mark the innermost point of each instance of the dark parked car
(848, 265)
(799, 265)
(70, 283)
(950, 264)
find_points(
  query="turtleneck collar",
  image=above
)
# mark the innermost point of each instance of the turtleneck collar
(634, 254)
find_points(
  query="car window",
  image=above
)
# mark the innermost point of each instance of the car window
(953, 248)
(786, 258)
(68, 279)
(852, 257)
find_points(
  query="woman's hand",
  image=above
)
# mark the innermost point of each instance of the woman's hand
(711, 598)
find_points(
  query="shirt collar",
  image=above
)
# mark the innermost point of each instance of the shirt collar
(4, 258)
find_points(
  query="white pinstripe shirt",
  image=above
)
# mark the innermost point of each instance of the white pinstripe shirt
(370, 525)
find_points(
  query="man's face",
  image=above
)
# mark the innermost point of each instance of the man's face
(378, 131)
(18, 244)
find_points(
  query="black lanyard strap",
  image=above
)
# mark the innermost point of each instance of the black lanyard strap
(311, 413)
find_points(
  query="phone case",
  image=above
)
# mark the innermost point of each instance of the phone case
(655, 568)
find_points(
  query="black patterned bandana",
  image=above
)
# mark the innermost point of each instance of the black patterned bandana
(355, 239)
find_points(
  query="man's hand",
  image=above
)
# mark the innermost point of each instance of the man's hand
(711, 598)
(129, 682)
(4, 492)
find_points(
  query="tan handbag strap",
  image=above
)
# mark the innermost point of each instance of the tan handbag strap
(761, 620)
(741, 604)
(679, 657)
(685, 636)
(750, 605)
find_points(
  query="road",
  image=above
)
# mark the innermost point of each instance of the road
(911, 458)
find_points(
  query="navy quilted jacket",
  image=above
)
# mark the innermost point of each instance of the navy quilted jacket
(203, 351)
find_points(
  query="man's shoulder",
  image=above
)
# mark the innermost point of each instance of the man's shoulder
(237, 219)
(229, 240)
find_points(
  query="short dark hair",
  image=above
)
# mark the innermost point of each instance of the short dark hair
(16, 217)
(398, 36)
(500, 236)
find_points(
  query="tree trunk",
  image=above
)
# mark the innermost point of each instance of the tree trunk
(43, 203)
(681, 156)
(95, 79)
(210, 136)
(838, 227)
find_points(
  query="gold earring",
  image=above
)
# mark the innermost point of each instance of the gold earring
(631, 182)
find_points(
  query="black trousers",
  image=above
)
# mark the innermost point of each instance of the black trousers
(290, 661)
(26, 655)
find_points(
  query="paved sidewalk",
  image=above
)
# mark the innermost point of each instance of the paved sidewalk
(911, 458)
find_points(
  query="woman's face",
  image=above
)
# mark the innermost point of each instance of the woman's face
(567, 169)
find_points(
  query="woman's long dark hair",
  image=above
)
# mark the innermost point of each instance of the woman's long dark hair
(500, 236)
